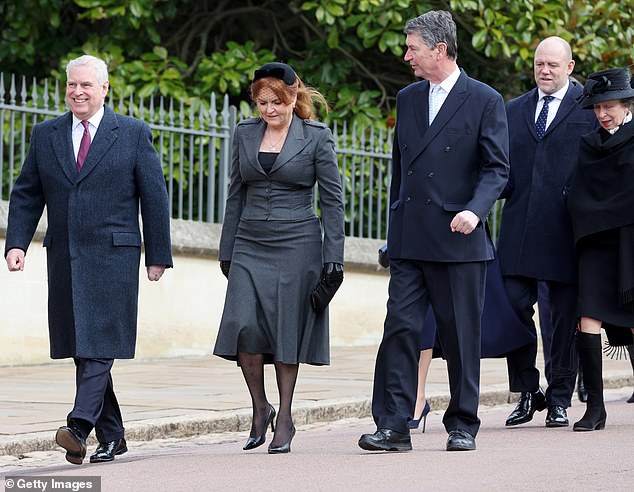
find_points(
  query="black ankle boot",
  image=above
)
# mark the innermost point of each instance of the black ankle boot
(590, 357)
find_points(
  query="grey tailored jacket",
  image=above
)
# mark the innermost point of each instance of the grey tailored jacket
(93, 238)
(286, 193)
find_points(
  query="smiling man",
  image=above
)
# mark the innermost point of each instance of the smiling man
(535, 242)
(93, 170)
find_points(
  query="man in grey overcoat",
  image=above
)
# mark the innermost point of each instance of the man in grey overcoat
(93, 170)
(535, 242)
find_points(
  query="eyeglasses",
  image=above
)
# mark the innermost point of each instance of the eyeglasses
(280, 71)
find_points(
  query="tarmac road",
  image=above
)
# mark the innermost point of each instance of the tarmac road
(325, 457)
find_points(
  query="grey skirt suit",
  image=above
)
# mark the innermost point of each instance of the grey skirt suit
(277, 245)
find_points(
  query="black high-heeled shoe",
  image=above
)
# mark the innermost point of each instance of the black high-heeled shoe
(254, 442)
(414, 423)
(284, 448)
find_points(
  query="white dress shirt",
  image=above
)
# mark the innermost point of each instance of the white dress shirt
(554, 104)
(439, 92)
(78, 129)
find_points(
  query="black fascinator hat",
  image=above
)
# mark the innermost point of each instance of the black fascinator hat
(612, 84)
(277, 70)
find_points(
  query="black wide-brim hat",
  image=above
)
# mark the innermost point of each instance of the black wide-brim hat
(612, 84)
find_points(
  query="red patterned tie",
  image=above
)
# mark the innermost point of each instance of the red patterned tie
(83, 146)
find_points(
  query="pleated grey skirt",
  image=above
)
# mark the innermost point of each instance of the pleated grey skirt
(274, 268)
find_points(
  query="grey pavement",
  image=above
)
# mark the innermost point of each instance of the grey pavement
(185, 397)
(325, 457)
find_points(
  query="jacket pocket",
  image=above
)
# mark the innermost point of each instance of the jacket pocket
(453, 207)
(126, 239)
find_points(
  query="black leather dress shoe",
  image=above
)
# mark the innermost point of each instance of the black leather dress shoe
(460, 440)
(556, 416)
(71, 439)
(529, 404)
(106, 451)
(386, 440)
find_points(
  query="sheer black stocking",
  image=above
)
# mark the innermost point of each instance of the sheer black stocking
(286, 376)
(252, 366)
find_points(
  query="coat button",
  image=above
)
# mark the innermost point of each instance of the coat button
(404, 146)
(408, 199)
(447, 149)
(409, 173)
(428, 201)
(430, 175)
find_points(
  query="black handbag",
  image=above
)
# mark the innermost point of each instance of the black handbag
(331, 279)
(384, 257)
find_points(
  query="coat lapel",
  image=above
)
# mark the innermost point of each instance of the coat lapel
(421, 109)
(568, 103)
(62, 142)
(106, 135)
(295, 142)
(251, 138)
(455, 99)
(528, 112)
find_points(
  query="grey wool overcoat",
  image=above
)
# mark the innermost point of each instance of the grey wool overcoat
(93, 238)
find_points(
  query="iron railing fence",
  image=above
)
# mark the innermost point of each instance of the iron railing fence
(193, 139)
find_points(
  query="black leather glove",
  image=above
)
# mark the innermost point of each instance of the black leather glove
(331, 279)
(384, 257)
(225, 265)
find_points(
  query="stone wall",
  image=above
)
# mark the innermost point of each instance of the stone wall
(179, 315)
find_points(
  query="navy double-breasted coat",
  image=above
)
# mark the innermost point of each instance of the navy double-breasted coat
(93, 238)
(458, 163)
(535, 238)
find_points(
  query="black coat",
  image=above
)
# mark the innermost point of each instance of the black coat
(93, 239)
(602, 191)
(535, 237)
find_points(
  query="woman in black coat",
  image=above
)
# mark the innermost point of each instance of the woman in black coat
(272, 250)
(601, 204)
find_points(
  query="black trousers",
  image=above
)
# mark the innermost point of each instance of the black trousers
(95, 400)
(456, 293)
(545, 328)
(523, 373)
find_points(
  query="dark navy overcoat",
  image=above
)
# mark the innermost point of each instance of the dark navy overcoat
(93, 238)
(535, 237)
(459, 162)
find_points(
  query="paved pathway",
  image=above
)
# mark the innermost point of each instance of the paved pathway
(325, 457)
(178, 398)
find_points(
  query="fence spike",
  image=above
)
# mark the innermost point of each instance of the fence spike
(12, 91)
(56, 96)
(23, 91)
(45, 95)
(161, 111)
(121, 103)
(213, 114)
(34, 94)
(151, 110)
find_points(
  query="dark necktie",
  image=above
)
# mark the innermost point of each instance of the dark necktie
(83, 146)
(540, 124)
